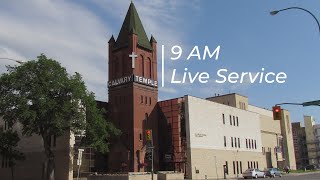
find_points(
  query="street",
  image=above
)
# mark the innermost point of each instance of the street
(308, 176)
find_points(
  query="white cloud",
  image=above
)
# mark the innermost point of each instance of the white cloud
(64, 31)
(77, 35)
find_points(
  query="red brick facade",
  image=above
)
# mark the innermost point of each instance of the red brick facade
(173, 135)
(132, 105)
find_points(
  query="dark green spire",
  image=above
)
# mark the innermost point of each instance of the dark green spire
(132, 24)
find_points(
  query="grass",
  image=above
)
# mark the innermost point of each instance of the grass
(302, 171)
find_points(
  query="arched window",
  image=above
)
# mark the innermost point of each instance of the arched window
(141, 65)
(116, 68)
(124, 65)
(148, 68)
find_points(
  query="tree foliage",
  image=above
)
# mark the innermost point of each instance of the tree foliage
(48, 101)
(8, 146)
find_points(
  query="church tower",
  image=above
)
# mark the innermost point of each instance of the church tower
(133, 95)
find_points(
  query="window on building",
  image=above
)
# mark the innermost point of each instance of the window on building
(146, 100)
(252, 144)
(254, 164)
(246, 143)
(146, 116)
(234, 167)
(223, 119)
(227, 167)
(230, 120)
(241, 167)
(249, 143)
(4, 162)
(234, 121)
(231, 141)
(6, 126)
(225, 141)
(237, 121)
(235, 142)
(257, 165)
(251, 164)
(237, 167)
(140, 137)
(53, 140)
(248, 165)
(239, 143)
(255, 144)
(141, 99)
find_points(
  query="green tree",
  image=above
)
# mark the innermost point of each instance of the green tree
(49, 102)
(8, 142)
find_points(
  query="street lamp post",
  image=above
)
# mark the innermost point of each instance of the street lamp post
(15, 60)
(299, 8)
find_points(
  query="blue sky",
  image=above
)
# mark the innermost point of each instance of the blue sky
(76, 34)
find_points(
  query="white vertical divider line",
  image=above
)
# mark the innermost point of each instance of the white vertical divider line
(162, 65)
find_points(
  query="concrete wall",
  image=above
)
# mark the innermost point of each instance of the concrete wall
(170, 175)
(32, 147)
(206, 152)
(129, 176)
(309, 124)
(234, 100)
(270, 133)
(286, 131)
(208, 163)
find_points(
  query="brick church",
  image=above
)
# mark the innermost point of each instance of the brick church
(133, 104)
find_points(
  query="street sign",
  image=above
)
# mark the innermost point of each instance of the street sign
(79, 161)
(168, 156)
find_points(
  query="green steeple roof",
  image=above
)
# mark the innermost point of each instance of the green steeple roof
(132, 24)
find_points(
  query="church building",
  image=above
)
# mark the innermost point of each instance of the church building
(133, 94)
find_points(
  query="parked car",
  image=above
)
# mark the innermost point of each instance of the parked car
(273, 172)
(253, 173)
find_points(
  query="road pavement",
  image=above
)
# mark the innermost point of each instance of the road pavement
(298, 176)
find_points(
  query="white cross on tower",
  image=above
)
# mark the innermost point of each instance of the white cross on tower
(133, 56)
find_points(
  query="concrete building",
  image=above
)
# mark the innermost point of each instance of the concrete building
(202, 135)
(312, 137)
(300, 145)
(32, 147)
(220, 135)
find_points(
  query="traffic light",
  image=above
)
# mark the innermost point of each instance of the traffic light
(149, 135)
(276, 112)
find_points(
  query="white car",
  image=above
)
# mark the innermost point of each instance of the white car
(253, 173)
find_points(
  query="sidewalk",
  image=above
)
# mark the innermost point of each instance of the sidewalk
(299, 174)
